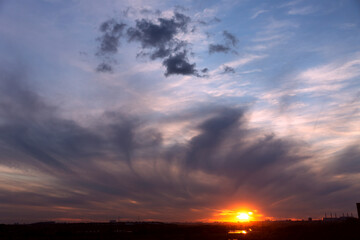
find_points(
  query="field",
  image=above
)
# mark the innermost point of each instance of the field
(291, 230)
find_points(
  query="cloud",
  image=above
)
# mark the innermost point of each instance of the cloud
(212, 131)
(204, 70)
(159, 37)
(333, 72)
(112, 31)
(302, 11)
(34, 134)
(230, 38)
(228, 69)
(238, 62)
(104, 67)
(179, 64)
(146, 11)
(209, 22)
(347, 161)
(231, 42)
(258, 13)
(291, 3)
(274, 33)
(121, 163)
(244, 60)
(347, 26)
(218, 48)
(164, 38)
(254, 160)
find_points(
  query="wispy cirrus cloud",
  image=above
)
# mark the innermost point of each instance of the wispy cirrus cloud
(275, 32)
(333, 72)
(239, 62)
(302, 10)
(258, 13)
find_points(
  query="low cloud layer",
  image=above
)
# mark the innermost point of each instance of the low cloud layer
(120, 165)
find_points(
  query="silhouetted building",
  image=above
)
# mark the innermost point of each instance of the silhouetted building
(342, 218)
(330, 219)
(358, 209)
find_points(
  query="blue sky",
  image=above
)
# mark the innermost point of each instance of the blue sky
(272, 123)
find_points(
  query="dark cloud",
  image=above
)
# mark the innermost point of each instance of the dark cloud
(179, 64)
(348, 160)
(213, 130)
(205, 70)
(223, 147)
(158, 41)
(110, 40)
(230, 38)
(31, 129)
(228, 69)
(212, 21)
(112, 31)
(159, 38)
(217, 48)
(229, 46)
(104, 67)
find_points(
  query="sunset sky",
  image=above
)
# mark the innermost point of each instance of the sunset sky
(178, 110)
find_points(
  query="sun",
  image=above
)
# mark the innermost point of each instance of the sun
(237, 215)
(244, 217)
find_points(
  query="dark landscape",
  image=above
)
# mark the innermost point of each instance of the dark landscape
(178, 231)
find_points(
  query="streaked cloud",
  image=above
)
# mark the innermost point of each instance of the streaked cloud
(302, 11)
(258, 13)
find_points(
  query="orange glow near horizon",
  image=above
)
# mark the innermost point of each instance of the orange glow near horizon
(242, 215)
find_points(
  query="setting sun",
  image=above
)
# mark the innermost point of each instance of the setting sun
(243, 217)
(238, 214)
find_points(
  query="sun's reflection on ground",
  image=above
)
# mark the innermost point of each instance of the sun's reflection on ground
(237, 232)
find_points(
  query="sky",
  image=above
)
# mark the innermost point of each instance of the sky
(178, 110)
